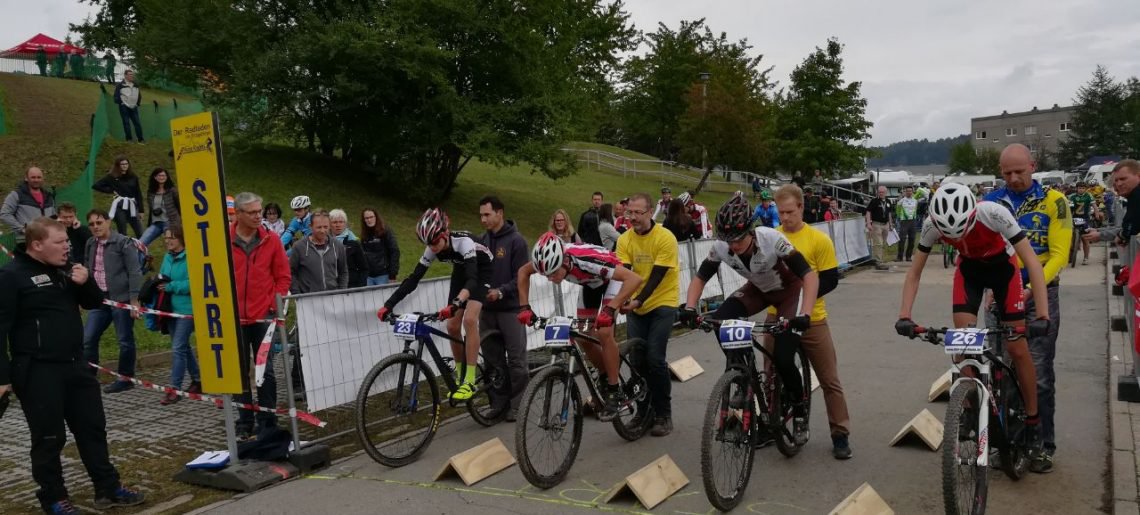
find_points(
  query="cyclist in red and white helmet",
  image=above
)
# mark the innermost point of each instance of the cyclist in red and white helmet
(989, 242)
(605, 282)
(470, 280)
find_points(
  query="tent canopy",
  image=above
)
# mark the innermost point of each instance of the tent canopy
(51, 45)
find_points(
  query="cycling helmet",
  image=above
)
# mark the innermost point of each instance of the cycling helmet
(432, 224)
(734, 218)
(952, 210)
(548, 254)
(765, 195)
(685, 198)
(300, 202)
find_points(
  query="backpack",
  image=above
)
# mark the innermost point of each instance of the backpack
(151, 297)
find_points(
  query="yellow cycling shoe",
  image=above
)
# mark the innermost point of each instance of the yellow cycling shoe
(465, 392)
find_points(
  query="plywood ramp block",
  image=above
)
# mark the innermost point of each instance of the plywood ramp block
(652, 484)
(477, 463)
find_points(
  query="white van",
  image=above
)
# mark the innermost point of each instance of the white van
(1099, 174)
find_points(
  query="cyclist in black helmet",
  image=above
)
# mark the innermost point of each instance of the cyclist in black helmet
(777, 275)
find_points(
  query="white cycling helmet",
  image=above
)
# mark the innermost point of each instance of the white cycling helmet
(685, 198)
(952, 210)
(300, 202)
(548, 254)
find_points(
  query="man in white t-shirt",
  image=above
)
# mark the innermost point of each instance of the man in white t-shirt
(906, 212)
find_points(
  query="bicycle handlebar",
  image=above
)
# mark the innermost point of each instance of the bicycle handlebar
(541, 322)
(779, 326)
(931, 334)
(423, 317)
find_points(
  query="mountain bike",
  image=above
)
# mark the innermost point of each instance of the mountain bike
(398, 408)
(748, 405)
(1080, 228)
(970, 431)
(548, 432)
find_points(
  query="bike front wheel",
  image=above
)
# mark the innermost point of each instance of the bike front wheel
(633, 424)
(964, 481)
(548, 431)
(397, 410)
(726, 440)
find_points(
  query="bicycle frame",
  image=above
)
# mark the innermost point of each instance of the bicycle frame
(576, 358)
(424, 340)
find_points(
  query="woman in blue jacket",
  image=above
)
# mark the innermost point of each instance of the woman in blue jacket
(174, 268)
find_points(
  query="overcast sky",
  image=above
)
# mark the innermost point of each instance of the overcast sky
(926, 67)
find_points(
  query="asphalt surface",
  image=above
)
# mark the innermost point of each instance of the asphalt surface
(886, 379)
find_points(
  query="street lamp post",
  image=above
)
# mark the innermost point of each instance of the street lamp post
(704, 114)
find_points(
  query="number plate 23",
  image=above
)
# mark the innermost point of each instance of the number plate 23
(406, 327)
(558, 332)
(965, 341)
(736, 334)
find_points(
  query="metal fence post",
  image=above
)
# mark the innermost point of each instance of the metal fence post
(283, 333)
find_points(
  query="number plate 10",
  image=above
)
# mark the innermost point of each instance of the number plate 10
(736, 334)
(557, 332)
(965, 341)
(406, 325)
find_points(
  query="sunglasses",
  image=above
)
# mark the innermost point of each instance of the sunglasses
(96, 223)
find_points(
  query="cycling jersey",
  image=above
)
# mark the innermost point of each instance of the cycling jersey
(1047, 222)
(773, 265)
(592, 267)
(994, 233)
(1082, 205)
(701, 219)
(471, 269)
(768, 216)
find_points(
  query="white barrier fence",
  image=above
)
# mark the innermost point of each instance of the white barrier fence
(341, 339)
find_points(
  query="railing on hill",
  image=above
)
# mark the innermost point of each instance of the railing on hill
(666, 172)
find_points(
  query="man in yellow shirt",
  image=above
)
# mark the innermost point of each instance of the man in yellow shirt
(819, 251)
(651, 252)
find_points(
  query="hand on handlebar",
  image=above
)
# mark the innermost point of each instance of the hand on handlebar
(526, 316)
(688, 317)
(384, 314)
(906, 327)
(800, 323)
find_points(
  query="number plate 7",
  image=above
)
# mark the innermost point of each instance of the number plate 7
(736, 334)
(965, 341)
(557, 332)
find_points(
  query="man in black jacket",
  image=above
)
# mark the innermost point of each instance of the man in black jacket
(588, 222)
(76, 231)
(1126, 183)
(41, 360)
(500, 311)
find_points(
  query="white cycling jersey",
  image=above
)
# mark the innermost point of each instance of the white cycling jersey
(766, 269)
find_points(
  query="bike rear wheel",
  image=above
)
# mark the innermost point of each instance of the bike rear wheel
(726, 440)
(782, 418)
(396, 419)
(964, 482)
(481, 406)
(633, 424)
(548, 432)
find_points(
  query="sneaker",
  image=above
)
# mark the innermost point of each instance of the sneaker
(64, 507)
(122, 497)
(512, 415)
(1085, 262)
(1042, 463)
(465, 392)
(170, 398)
(118, 386)
(195, 387)
(615, 402)
(244, 433)
(662, 426)
(840, 448)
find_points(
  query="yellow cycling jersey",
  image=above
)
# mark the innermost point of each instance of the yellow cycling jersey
(1048, 224)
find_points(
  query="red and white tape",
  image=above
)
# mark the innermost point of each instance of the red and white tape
(165, 314)
(5, 249)
(262, 358)
(215, 400)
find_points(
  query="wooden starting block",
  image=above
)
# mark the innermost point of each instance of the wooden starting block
(477, 463)
(685, 368)
(863, 501)
(652, 484)
(940, 387)
(925, 426)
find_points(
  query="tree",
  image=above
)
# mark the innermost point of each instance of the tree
(916, 152)
(963, 158)
(412, 88)
(1098, 120)
(988, 162)
(822, 117)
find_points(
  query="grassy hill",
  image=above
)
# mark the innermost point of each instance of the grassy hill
(49, 126)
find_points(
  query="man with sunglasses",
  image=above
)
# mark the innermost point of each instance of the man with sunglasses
(113, 260)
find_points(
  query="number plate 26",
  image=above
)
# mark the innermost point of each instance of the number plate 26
(406, 327)
(965, 341)
(557, 332)
(736, 334)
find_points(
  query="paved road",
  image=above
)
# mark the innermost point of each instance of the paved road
(886, 379)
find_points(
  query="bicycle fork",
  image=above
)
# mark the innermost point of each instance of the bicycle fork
(982, 457)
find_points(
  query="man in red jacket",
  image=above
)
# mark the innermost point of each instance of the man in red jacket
(261, 271)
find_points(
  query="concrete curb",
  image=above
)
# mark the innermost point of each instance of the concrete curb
(1123, 432)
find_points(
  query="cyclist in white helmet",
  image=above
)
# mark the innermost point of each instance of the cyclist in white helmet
(989, 243)
(470, 280)
(605, 283)
(302, 220)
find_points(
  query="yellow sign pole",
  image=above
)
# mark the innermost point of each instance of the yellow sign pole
(201, 183)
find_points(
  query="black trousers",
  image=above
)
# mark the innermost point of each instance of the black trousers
(54, 393)
(266, 393)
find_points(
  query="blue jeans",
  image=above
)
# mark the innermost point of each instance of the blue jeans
(655, 327)
(1044, 350)
(378, 280)
(153, 232)
(129, 116)
(98, 320)
(183, 357)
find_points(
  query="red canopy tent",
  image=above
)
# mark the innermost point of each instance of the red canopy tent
(51, 45)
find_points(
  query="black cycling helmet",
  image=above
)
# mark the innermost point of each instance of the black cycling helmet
(734, 218)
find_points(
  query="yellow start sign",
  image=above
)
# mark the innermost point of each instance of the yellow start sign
(201, 183)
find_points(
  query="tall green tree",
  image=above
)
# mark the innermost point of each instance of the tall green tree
(963, 158)
(822, 117)
(1099, 120)
(988, 162)
(413, 88)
